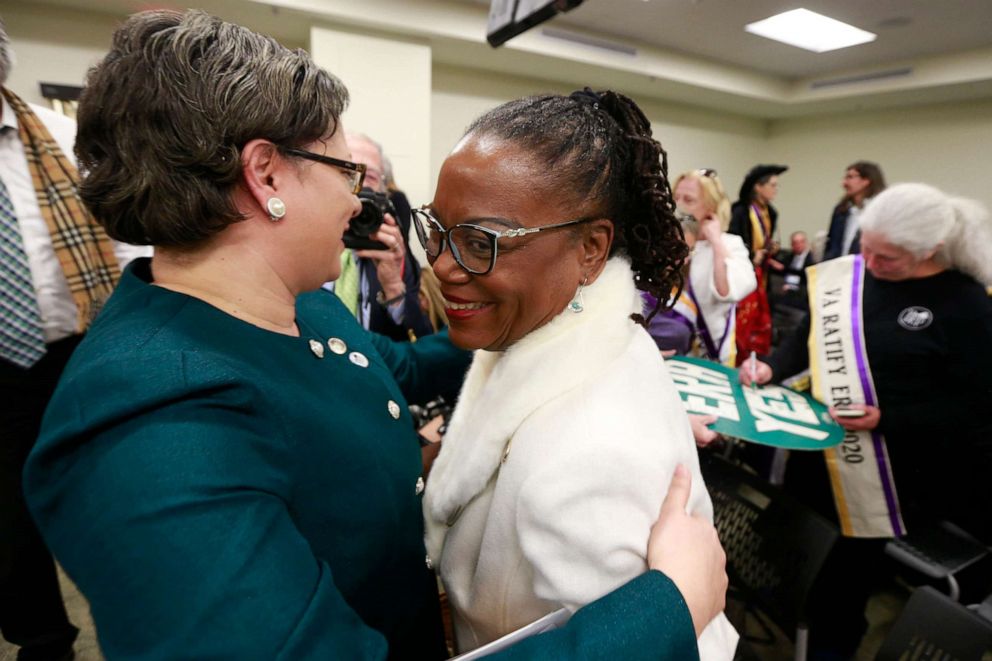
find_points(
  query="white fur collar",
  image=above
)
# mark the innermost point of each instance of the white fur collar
(503, 388)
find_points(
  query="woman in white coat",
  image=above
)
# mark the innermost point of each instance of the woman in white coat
(720, 273)
(568, 425)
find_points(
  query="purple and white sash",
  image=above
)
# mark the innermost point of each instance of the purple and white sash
(860, 472)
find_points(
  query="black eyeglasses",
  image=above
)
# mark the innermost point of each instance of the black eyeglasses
(355, 171)
(707, 172)
(474, 247)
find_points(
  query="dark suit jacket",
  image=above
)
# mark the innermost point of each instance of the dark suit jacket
(785, 257)
(794, 297)
(835, 235)
(414, 319)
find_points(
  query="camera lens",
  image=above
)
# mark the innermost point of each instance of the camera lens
(368, 221)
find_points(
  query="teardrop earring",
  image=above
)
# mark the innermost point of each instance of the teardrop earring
(577, 305)
(276, 208)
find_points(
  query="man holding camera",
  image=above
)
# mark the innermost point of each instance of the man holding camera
(380, 278)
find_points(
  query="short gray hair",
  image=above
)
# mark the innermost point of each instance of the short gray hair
(164, 116)
(919, 218)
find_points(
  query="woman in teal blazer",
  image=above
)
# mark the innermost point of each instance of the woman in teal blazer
(228, 468)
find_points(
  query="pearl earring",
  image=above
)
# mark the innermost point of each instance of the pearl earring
(276, 208)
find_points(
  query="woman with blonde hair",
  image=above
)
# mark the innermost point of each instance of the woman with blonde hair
(720, 272)
(431, 300)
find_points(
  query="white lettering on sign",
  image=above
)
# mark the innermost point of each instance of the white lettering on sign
(704, 391)
(777, 409)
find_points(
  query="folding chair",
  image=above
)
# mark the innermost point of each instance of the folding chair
(775, 545)
(933, 626)
(939, 552)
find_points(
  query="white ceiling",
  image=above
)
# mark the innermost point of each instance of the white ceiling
(714, 29)
(689, 51)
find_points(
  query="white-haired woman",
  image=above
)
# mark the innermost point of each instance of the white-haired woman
(900, 346)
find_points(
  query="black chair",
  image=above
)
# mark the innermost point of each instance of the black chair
(933, 626)
(939, 551)
(775, 546)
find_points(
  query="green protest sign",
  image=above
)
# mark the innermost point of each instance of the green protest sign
(770, 415)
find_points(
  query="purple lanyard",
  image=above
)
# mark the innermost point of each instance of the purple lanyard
(703, 330)
(761, 224)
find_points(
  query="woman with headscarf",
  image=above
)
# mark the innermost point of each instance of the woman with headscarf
(228, 468)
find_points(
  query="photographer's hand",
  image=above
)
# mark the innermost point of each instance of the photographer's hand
(388, 263)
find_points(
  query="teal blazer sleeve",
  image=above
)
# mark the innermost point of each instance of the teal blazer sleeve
(429, 367)
(646, 619)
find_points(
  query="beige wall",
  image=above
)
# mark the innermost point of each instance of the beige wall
(692, 137)
(947, 145)
(389, 83)
(53, 46)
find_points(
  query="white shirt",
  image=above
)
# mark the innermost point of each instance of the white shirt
(793, 280)
(851, 228)
(58, 309)
(717, 311)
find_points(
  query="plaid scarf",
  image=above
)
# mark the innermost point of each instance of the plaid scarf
(83, 248)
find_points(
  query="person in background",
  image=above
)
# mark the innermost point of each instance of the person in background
(862, 181)
(755, 219)
(431, 300)
(57, 268)
(228, 468)
(396, 195)
(548, 216)
(787, 280)
(381, 286)
(899, 342)
(720, 273)
(792, 263)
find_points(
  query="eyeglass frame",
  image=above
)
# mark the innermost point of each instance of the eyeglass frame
(335, 162)
(492, 234)
(706, 172)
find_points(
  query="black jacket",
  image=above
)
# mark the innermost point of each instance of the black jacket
(740, 223)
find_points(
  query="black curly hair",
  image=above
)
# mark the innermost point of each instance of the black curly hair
(600, 146)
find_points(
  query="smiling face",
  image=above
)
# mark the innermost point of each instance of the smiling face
(493, 184)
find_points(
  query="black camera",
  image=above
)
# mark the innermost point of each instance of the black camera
(374, 207)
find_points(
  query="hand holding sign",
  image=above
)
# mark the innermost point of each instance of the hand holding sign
(770, 415)
(762, 373)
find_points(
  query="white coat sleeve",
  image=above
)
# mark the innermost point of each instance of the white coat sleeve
(740, 271)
